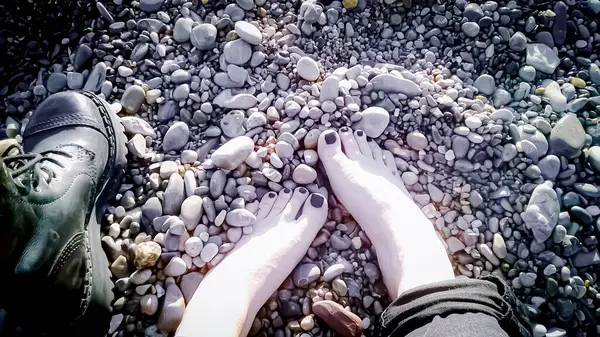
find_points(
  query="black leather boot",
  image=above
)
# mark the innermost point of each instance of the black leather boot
(52, 199)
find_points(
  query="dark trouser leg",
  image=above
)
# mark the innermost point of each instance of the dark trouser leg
(461, 307)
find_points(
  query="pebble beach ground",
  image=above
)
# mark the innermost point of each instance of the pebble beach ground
(488, 110)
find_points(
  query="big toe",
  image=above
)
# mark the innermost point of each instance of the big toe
(314, 211)
(329, 144)
(330, 149)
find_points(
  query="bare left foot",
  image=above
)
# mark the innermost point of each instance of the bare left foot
(285, 227)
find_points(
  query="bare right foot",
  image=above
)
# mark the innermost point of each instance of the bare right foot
(365, 180)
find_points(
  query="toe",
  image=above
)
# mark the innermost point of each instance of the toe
(363, 145)
(388, 160)
(329, 144)
(376, 150)
(282, 200)
(291, 211)
(349, 143)
(314, 211)
(266, 204)
(330, 151)
(397, 180)
(390, 163)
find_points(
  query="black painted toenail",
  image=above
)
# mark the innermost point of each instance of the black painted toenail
(272, 195)
(286, 190)
(330, 138)
(344, 129)
(302, 190)
(360, 133)
(316, 200)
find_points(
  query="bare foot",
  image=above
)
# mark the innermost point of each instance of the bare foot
(285, 227)
(365, 180)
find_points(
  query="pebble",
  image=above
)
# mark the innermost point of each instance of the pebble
(56, 82)
(119, 267)
(232, 124)
(307, 323)
(308, 69)
(333, 271)
(541, 215)
(557, 100)
(175, 267)
(132, 99)
(473, 12)
(96, 79)
(183, 30)
(542, 58)
(176, 137)
(485, 84)
(373, 122)
(593, 155)
(233, 153)
(567, 137)
(140, 276)
(240, 217)
(83, 56)
(174, 195)
(329, 89)
(527, 73)
(245, 4)
(454, 245)
(304, 174)
(115, 322)
(342, 321)
(518, 42)
(394, 84)
(471, 29)
(172, 310)
(499, 246)
(209, 251)
(180, 76)
(149, 304)
(191, 212)
(204, 36)
(305, 274)
(241, 101)
(237, 52)
(75, 80)
(248, 32)
(416, 140)
(151, 6)
(146, 254)
(189, 284)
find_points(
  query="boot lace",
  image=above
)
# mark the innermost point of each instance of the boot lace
(27, 169)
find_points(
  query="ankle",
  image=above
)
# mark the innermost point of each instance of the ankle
(409, 252)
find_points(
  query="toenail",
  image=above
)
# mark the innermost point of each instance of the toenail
(316, 200)
(344, 129)
(360, 133)
(330, 138)
(272, 195)
(302, 190)
(286, 190)
(394, 173)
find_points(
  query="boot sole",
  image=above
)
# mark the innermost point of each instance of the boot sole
(95, 316)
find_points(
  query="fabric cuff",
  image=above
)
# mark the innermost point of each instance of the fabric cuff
(489, 295)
